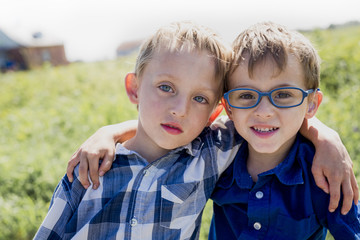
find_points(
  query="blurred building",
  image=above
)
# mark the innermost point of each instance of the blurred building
(127, 48)
(21, 50)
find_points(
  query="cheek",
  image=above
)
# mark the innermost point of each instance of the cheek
(150, 107)
(149, 97)
(239, 119)
(294, 118)
(199, 116)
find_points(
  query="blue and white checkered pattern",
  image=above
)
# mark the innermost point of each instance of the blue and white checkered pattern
(138, 200)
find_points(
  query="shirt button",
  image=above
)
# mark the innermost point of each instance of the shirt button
(259, 194)
(133, 222)
(257, 226)
(146, 173)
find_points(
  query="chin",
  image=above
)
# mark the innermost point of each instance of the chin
(169, 146)
(266, 149)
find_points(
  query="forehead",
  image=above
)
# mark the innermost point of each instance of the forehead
(183, 65)
(267, 73)
(183, 62)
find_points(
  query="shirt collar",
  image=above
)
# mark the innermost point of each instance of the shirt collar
(191, 148)
(289, 172)
(195, 146)
(240, 173)
(237, 171)
(120, 149)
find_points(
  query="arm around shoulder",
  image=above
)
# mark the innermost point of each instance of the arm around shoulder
(101, 145)
(332, 165)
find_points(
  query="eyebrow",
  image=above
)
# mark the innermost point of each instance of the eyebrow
(203, 88)
(166, 75)
(277, 86)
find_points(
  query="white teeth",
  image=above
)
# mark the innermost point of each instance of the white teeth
(264, 129)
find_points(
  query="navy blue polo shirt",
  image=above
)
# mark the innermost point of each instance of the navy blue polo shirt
(284, 203)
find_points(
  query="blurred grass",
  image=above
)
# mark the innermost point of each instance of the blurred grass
(45, 115)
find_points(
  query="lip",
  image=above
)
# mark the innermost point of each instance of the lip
(172, 128)
(264, 131)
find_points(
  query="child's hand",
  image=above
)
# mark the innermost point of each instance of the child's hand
(101, 145)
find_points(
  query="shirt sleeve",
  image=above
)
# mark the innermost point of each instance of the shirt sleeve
(62, 206)
(226, 142)
(342, 227)
(347, 226)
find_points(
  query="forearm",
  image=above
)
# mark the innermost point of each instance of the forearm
(121, 132)
(318, 133)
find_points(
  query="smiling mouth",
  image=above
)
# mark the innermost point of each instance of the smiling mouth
(265, 130)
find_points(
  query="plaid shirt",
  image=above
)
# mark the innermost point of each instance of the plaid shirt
(140, 200)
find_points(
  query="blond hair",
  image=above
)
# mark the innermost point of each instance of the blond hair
(189, 36)
(269, 39)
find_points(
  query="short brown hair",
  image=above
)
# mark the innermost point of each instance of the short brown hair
(180, 35)
(269, 39)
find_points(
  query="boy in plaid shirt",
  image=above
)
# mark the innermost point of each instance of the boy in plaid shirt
(161, 178)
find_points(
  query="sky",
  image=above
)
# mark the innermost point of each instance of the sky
(91, 30)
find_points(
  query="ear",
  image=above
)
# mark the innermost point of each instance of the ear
(314, 104)
(215, 114)
(131, 87)
(227, 108)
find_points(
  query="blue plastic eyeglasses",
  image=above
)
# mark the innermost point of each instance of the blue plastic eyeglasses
(284, 97)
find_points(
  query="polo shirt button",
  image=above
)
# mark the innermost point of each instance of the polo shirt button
(259, 194)
(257, 226)
(133, 222)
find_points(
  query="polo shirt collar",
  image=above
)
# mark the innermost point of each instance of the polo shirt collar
(241, 175)
(191, 148)
(289, 172)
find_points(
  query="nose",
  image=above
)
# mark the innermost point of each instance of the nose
(180, 106)
(265, 109)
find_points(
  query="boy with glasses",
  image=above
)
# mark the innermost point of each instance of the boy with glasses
(268, 192)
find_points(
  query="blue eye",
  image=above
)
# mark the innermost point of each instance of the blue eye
(165, 88)
(200, 99)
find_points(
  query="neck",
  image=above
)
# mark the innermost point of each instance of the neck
(141, 144)
(149, 154)
(258, 162)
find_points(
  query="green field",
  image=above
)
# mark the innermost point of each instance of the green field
(47, 113)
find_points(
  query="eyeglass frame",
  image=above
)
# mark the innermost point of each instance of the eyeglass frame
(268, 94)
